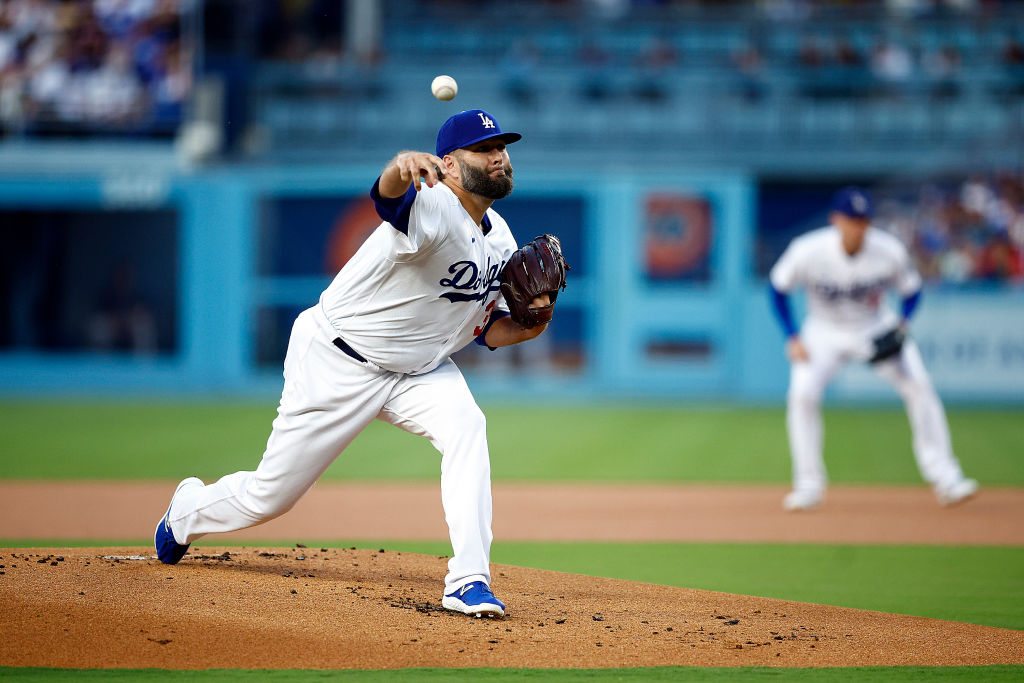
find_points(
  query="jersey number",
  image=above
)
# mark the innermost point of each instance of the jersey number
(487, 316)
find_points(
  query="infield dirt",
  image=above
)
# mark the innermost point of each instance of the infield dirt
(336, 608)
(539, 512)
(329, 608)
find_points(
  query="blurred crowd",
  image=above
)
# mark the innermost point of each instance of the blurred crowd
(814, 49)
(896, 65)
(71, 66)
(84, 66)
(821, 67)
(960, 232)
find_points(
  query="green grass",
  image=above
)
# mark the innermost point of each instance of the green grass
(667, 673)
(166, 440)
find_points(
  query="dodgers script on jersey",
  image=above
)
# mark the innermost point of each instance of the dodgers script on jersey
(423, 285)
(843, 289)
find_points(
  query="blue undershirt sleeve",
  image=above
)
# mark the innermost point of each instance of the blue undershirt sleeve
(910, 304)
(394, 210)
(780, 303)
(496, 316)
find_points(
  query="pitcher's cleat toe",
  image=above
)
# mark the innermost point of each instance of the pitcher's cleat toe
(167, 547)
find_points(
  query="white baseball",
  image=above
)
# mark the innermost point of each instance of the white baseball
(444, 88)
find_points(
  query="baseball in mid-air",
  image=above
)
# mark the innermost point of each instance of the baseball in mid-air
(444, 88)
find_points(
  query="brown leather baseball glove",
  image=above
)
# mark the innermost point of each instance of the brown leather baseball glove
(538, 267)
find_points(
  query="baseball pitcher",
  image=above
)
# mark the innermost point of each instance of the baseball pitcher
(845, 269)
(442, 270)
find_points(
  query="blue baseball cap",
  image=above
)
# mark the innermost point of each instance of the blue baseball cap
(470, 127)
(854, 202)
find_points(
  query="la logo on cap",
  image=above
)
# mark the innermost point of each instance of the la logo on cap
(487, 121)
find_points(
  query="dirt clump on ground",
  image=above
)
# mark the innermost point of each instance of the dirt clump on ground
(330, 608)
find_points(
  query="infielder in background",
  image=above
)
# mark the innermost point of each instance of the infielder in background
(846, 269)
(425, 284)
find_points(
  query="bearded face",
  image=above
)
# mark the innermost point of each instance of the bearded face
(478, 181)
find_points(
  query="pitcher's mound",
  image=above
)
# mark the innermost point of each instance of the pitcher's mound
(308, 608)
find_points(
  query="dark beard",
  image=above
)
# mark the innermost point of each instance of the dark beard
(479, 182)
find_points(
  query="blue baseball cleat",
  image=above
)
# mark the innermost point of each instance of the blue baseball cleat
(167, 548)
(474, 598)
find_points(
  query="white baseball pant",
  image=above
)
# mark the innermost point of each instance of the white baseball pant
(830, 347)
(328, 398)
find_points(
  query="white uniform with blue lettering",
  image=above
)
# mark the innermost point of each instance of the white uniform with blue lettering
(377, 346)
(846, 309)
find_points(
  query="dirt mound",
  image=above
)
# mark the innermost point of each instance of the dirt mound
(335, 609)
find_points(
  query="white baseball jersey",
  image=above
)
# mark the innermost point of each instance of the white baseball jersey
(843, 289)
(423, 285)
(846, 307)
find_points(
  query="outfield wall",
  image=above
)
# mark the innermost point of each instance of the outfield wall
(663, 301)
